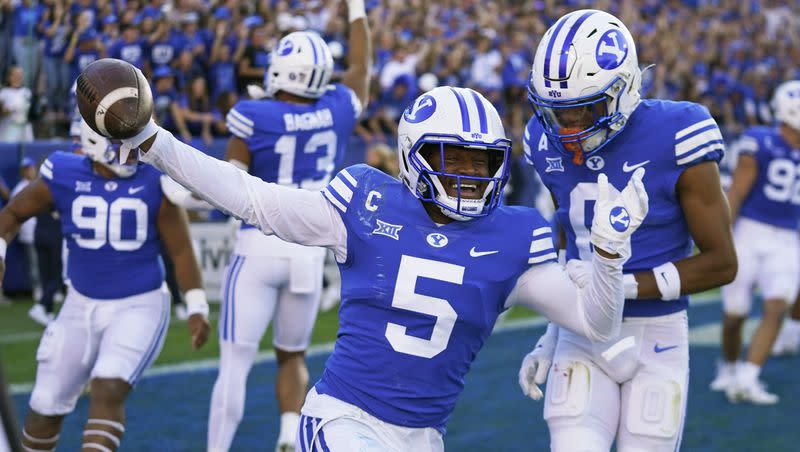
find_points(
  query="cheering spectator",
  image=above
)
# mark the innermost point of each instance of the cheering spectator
(130, 47)
(256, 57)
(15, 105)
(84, 47)
(196, 110)
(55, 29)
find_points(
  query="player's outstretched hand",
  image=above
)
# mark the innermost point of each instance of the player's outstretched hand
(536, 364)
(615, 219)
(199, 329)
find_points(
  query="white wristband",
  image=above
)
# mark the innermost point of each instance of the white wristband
(3, 248)
(631, 286)
(668, 281)
(196, 302)
(129, 144)
(355, 10)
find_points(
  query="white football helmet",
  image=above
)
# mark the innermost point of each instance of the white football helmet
(456, 117)
(786, 104)
(103, 151)
(301, 64)
(585, 81)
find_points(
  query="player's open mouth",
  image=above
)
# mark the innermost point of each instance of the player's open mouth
(468, 190)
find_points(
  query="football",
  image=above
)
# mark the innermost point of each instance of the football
(114, 98)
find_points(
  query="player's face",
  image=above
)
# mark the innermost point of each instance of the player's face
(464, 162)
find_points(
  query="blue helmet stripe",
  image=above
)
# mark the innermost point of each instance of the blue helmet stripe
(562, 64)
(462, 105)
(313, 48)
(481, 112)
(549, 52)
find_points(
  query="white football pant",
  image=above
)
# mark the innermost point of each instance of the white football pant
(632, 387)
(329, 424)
(90, 339)
(270, 280)
(768, 257)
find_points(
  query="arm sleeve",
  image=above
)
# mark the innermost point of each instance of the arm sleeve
(180, 196)
(299, 216)
(594, 312)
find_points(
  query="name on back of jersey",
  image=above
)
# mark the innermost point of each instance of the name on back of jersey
(318, 119)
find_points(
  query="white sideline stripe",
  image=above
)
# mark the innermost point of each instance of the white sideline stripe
(321, 349)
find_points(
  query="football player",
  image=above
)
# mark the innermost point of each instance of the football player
(765, 201)
(427, 264)
(295, 137)
(116, 313)
(589, 119)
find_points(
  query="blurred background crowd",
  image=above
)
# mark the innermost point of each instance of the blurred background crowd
(201, 55)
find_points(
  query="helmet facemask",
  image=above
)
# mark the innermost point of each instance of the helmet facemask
(464, 181)
(581, 127)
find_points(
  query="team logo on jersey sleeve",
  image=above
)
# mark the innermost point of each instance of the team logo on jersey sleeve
(612, 48)
(388, 229)
(554, 164)
(595, 163)
(436, 240)
(420, 110)
(619, 219)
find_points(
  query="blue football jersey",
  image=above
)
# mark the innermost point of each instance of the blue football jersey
(665, 138)
(419, 300)
(775, 196)
(296, 145)
(109, 226)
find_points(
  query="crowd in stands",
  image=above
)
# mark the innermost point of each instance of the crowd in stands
(201, 55)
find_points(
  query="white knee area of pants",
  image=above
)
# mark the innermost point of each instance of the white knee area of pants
(568, 390)
(578, 439)
(228, 395)
(655, 407)
(737, 299)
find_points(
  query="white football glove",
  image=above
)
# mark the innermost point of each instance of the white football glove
(616, 219)
(536, 364)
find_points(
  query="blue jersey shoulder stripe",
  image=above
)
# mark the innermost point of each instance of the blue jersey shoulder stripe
(46, 170)
(238, 124)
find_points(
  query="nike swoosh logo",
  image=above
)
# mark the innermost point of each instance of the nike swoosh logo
(134, 190)
(474, 253)
(626, 168)
(658, 349)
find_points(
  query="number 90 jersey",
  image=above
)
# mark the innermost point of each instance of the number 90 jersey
(296, 145)
(109, 226)
(775, 196)
(419, 300)
(665, 138)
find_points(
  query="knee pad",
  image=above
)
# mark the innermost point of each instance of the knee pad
(655, 406)
(568, 390)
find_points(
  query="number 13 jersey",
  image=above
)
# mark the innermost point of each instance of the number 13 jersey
(665, 138)
(109, 226)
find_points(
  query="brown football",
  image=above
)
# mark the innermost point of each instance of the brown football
(114, 98)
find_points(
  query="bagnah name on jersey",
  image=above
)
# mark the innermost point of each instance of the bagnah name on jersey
(308, 121)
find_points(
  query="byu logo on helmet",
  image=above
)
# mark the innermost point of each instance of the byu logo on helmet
(436, 240)
(420, 110)
(286, 47)
(619, 219)
(611, 49)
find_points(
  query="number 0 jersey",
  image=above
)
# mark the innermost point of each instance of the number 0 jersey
(665, 138)
(109, 226)
(419, 300)
(775, 196)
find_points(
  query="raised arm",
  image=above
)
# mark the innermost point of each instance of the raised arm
(294, 215)
(360, 51)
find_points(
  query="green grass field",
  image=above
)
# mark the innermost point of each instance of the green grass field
(19, 337)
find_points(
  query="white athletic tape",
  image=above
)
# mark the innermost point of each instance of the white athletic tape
(105, 104)
(618, 348)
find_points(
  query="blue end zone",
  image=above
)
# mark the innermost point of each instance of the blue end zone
(170, 412)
